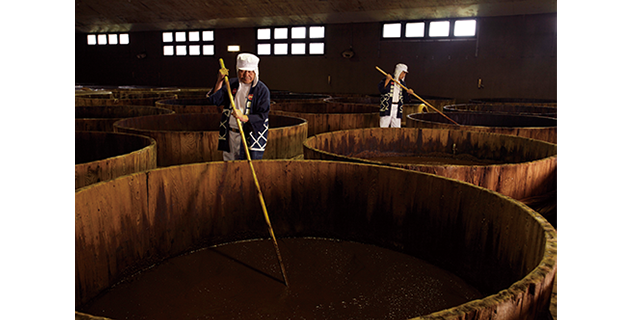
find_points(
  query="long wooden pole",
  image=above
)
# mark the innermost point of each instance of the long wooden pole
(254, 175)
(416, 96)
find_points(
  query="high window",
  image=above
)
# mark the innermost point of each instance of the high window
(108, 39)
(297, 40)
(188, 43)
(430, 30)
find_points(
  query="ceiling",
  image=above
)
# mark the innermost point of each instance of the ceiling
(146, 15)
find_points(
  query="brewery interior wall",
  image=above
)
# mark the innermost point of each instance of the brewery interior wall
(513, 56)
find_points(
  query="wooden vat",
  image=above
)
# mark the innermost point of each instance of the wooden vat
(414, 106)
(193, 137)
(101, 156)
(136, 97)
(102, 118)
(330, 116)
(202, 105)
(517, 109)
(540, 128)
(493, 242)
(517, 167)
(524, 102)
(281, 96)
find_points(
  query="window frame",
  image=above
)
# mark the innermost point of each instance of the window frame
(200, 43)
(107, 36)
(289, 41)
(426, 36)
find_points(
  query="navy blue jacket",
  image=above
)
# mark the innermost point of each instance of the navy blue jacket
(257, 110)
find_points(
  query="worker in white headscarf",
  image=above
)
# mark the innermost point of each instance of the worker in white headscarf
(252, 102)
(392, 98)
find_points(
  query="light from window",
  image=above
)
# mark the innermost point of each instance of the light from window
(194, 50)
(167, 50)
(181, 36)
(194, 36)
(415, 29)
(208, 49)
(92, 39)
(298, 32)
(181, 50)
(317, 32)
(207, 36)
(392, 30)
(102, 39)
(280, 33)
(263, 34)
(233, 48)
(439, 29)
(464, 28)
(317, 48)
(298, 48)
(263, 49)
(167, 37)
(280, 48)
(124, 38)
(112, 38)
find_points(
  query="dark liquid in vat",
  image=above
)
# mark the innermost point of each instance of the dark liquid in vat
(329, 279)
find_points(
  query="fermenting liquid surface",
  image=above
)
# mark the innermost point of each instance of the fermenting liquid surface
(328, 279)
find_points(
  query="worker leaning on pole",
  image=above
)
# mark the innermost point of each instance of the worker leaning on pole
(392, 98)
(252, 102)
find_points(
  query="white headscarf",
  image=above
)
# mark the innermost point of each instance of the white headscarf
(399, 68)
(249, 62)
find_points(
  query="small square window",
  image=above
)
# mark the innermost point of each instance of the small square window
(233, 48)
(280, 48)
(439, 29)
(124, 38)
(317, 32)
(263, 49)
(299, 32)
(392, 30)
(208, 35)
(181, 36)
(465, 28)
(167, 37)
(181, 50)
(167, 50)
(208, 49)
(263, 34)
(298, 48)
(113, 38)
(317, 48)
(194, 50)
(280, 33)
(92, 39)
(194, 36)
(415, 29)
(102, 39)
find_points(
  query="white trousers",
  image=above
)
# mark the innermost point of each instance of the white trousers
(391, 120)
(234, 141)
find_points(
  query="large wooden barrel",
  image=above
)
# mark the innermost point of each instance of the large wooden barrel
(193, 137)
(498, 245)
(101, 156)
(514, 166)
(541, 128)
(137, 97)
(330, 116)
(102, 118)
(280, 96)
(414, 106)
(521, 101)
(202, 105)
(518, 109)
